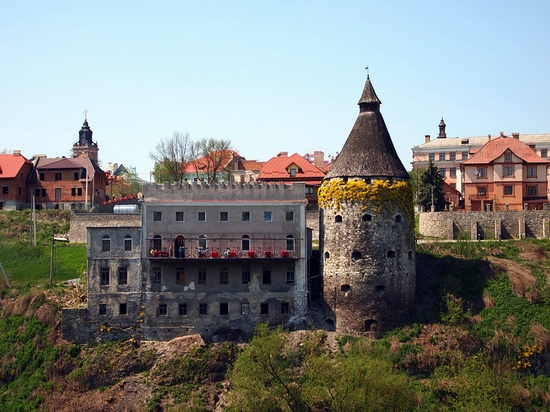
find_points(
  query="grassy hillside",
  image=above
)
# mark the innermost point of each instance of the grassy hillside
(478, 339)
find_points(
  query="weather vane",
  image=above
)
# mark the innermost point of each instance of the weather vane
(367, 69)
(85, 115)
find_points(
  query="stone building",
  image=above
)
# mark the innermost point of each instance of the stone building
(367, 229)
(208, 259)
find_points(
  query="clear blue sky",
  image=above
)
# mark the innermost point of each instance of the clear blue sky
(269, 76)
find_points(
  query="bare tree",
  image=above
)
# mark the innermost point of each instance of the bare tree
(211, 156)
(172, 156)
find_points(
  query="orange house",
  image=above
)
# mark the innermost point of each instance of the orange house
(505, 174)
(14, 172)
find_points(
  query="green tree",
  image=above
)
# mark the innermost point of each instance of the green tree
(430, 186)
(129, 183)
(172, 156)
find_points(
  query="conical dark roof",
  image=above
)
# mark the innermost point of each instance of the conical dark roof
(369, 150)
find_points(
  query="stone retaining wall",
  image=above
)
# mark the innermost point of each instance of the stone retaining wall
(510, 224)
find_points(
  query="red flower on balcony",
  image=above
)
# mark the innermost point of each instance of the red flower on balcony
(285, 253)
(251, 253)
(267, 253)
(214, 254)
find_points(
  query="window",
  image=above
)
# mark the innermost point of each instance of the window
(224, 217)
(531, 190)
(284, 308)
(163, 309)
(268, 216)
(452, 157)
(102, 309)
(182, 309)
(338, 219)
(290, 275)
(482, 172)
(5, 190)
(289, 216)
(202, 276)
(266, 276)
(464, 155)
(128, 243)
(532, 171)
(482, 191)
(264, 309)
(441, 157)
(391, 254)
(75, 175)
(179, 216)
(105, 278)
(246, 216)
(157, 216)
(543, 152)
(292, 171)
(180, 276)
(366, 217)
(202, 242)
(290, 243)
(43, 192)
(123, 275)
(157, 276)
(122, 309)
(245, 308)
(508, 170)
(224, 308)
(507, 190)
(201, 216)
(41, 175)
(203, 309)
(58, 176)
(245, 275)
(442, 171)
(245, 243)
(224, 276)
(452, 172)
(157, 242)
(431, 157)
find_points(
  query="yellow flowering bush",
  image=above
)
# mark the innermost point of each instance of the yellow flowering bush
(382, 197)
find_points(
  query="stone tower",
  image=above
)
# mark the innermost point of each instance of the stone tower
(367, 229)
(85, 147)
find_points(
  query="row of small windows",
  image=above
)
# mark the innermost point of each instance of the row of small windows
(442, 157)
(128, 243)
(59, 175)
(224, 216)
(223, 276)
(183, 309)
(356, 255)
(367, 218)
(507, 190)
(203, 242)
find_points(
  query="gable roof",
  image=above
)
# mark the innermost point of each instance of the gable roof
(276, 168)
(201, 164)
(11, 164)
(57, 163)
(495, 148)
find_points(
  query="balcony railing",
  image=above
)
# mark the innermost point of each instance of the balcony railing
(215, 253)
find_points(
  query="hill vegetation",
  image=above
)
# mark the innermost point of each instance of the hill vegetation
(478, 339)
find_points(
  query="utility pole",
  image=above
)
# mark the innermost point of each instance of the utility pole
(51, 261)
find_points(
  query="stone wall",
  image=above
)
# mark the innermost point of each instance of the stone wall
(510, 224)
(80, 221)
(312, 222)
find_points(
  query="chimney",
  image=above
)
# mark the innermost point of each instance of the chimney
(319, 159)
(515, 135)
(282, 154)
(502, 134)
(489, 136)
(427, 138)
(17, 152)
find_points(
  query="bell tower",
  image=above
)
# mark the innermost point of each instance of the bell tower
(85, 147)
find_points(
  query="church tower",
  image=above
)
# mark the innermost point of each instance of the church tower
(85, 147)
(367, 229)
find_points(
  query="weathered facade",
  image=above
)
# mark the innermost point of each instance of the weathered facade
(208, 259)
(367, 229)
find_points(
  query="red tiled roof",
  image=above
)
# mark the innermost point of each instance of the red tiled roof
(202, 162)
(496, 147)
(276, 168)
(11, 164)
(252, 164)
(46, 163)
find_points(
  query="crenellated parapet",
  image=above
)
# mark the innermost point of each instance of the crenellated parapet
(197, 191)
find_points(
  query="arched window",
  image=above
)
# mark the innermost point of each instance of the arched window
(366, 217)
(356, 255)
(245, 243)
(128, 243)
(338, 219)
(202, 242)
(157, 242)
(290, 243)
(345, 288)
(398, 218)
(327, 255)
(106, 244)
(410, 254)
(391, 254)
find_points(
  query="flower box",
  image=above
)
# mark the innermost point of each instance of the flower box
(251, 253)
(285, 253)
